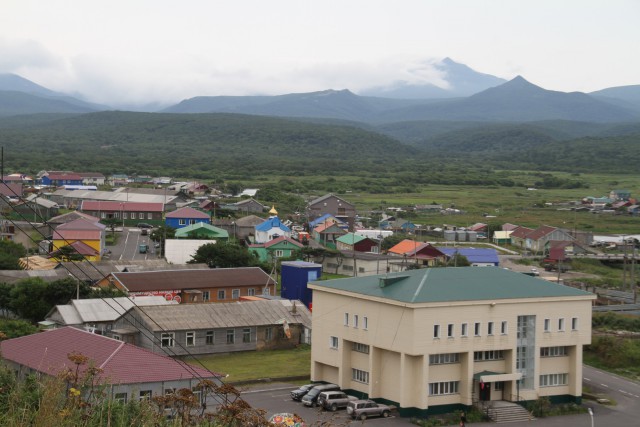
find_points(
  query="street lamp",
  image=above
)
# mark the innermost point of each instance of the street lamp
(591, 415)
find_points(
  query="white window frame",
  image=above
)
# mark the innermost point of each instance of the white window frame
(444, 358)
(489, 328)
(121, 397)
(206, 295)
(278, 253)
(170, 337)
(181, 221)
(231, 336)
(333, 342)
(149, 215)
(245, 332)
(360, 348)
(487, 355)
(365, 323)
(556, 351)
(355, 321)
(346, 319)
(477, 328)
(450, 329)
(504, 327)
(223, 293)
(436, 331)
(554, 380)
(235, 293)
(464, 329)
(561, 324)
(251, 292)
(190, 339)
(360, 376)
(574, 323)
(210, 337)
(268, 334)
(145, 395)
(444, 388)
(547, 325)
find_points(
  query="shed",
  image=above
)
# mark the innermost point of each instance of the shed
(295, 276)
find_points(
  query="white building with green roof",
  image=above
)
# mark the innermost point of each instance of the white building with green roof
(433, 340)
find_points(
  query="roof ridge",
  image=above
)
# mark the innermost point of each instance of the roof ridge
(422, 282)
(112, 355)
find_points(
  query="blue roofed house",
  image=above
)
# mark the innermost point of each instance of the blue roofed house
(326, 219)
(271, 228)
(186, 216)
(478, 257)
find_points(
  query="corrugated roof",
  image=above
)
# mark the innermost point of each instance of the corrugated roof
(187, 212)
(224, 315)
(99, 205)
(76, 235)
(272, 222)
(72, 216)
(540, 232)
(122, 363)
(81, 224)
(351, 239)
(115, 196)
(199, 226)
(192, 279)
(433, 285)
(521, 232)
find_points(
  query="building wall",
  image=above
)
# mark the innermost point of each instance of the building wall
(95, 244)
(402, 338)
(176, 222)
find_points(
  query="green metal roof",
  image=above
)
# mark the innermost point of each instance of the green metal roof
(202, 228)
(451, 284)
(350, 239)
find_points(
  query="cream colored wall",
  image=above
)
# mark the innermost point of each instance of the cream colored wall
(399, 336)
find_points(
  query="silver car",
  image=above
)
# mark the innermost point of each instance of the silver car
(362, 409)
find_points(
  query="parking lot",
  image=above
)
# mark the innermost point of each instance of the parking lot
(276, 399)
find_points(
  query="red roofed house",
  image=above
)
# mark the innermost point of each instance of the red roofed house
(518, 236)
(194, 286)
(418, 252)
(132, 372)
(132, 211)
(536, 241)
(90, 233)
(186, 216)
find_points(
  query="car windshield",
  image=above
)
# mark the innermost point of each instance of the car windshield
(314, 392)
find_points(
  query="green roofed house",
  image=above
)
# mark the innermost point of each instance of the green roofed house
(438, 339)
(280, 247)
(202, 230)
(356, 242)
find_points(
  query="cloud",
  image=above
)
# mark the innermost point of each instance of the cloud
(18, 55)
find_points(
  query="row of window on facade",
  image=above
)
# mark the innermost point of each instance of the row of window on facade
(123, 397)
(127, 215)
(355, 321)
(452, 387)
(491, 328)
(167, 339)
(487, 355)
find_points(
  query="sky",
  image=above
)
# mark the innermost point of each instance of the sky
(143, 51)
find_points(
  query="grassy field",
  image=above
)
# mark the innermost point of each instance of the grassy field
(254, 365)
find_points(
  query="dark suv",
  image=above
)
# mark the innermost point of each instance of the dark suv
(144, 225)
(301, 391)
(362, 409)
(311, 398)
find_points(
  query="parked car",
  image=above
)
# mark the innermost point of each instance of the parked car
(311, 398)
(334, 400)
(534, 271)
(301, 391)
(144, 225)
(362, 409)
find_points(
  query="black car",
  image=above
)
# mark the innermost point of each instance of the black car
(144, 225)
(301, 391)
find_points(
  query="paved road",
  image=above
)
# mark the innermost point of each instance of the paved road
(127, 248)
(626, 412)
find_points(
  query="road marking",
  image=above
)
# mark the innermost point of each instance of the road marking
(588, 379)
(604, 385)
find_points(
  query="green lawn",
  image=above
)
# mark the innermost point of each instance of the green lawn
(253, 365)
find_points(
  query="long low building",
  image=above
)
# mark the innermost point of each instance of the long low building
(436, 339)
(194, 286)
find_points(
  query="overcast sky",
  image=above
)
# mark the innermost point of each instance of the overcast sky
(128, 51)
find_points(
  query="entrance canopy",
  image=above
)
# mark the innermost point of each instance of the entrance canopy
(492, 377)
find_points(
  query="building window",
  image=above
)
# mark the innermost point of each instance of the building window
(346, 319)
(450, 330)
(210, 337)
(120, 397)
(360, 348)
(235, 294)
(503, 327)
(365, 322)
(278, 253)
(205, 295)
(360, 269)
(490, 328)
(574, 323)
(444, 358)
(116, 337)
(103, 215)
(547, 325)
(561, 324)
(231, 336)
(347, 267)
(251, 292)
(145, 395)
(498, 385)
(476, 329)
(479, 356)
(463, 330)
(551, 380)
(268, 334)
(167, 339)
(333, 342)
(149, 215)
(554, 351)
(180, 221)
(355, 320)
(124, 215)
(442, 388)
(221, 294)
(360, 376)
(436, 331)
(246, 335)
(191, 339)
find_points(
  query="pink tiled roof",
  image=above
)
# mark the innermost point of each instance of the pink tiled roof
(521, 232)
(122, 363)
(540, 232)
(509, 227)
(64, 176)
(96, 205)
(82, 224)
(76, 235)
(187, 212)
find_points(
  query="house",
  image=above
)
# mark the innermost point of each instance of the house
(620, 195)
(89, 234)
(194, 286)
(271, 228)
(72, 199)
(356, 242)
(420, 253)
(202, 230)
(351, 263)
(217, 328)
(59, 178)
(118, 180)
(247, 206)
(92, 178)
(280, 247)
(327, 219)
(478, 257)
(433, 340)
(397, 224)
(327, 234)
(433, 208)
(536, 241)
(54, 222)
(186, 216)
(98, 314)
(130, 213)
(334, 205)
(501, 237)
(519, 235)
(17, 178)
(38, 208)
(131, 373)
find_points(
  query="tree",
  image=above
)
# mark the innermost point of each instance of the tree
(225, 255)
(15, 328)
(390, 241)
(10, 253)
(161, 233)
